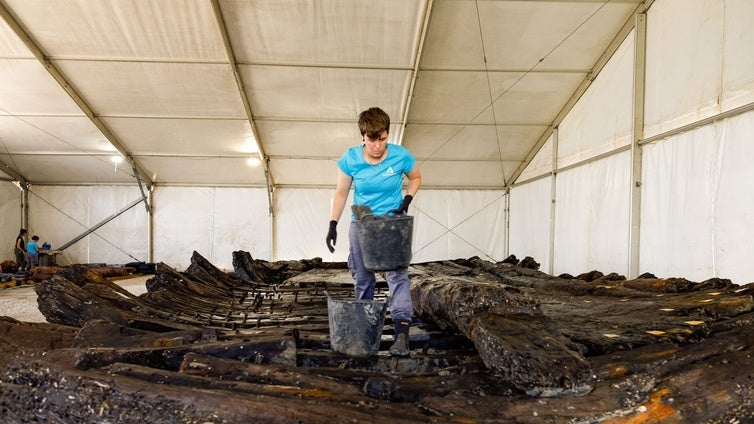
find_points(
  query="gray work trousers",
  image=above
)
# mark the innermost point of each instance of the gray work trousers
(401, 308)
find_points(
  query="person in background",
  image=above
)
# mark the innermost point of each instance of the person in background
(376, 170)
(32, 249)
(20, 250)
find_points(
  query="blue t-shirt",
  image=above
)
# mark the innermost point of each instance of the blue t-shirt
(31, 247)
(377, 186)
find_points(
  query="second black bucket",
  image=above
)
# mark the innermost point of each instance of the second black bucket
(356, 325)
(385, 241)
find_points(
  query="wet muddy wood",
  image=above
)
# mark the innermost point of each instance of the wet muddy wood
(496, 342)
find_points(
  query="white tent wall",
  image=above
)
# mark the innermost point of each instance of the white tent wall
(591, 217)
(217, 221)
(600, 122)
(451, 224)
(698, 202)
(541, 164)
(58, 214)
(696, 182)
(447, 224)
(211, 221)
(530, 221)
(699, 61)
(301, 224)
(10, 218)
(591, 200)
(699, 97)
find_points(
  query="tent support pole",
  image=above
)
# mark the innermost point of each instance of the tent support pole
(150, 229)
(553, 200)
(640, 53)
(24, 207)
(141, 189)
(263, 157)
(23, 184)
(98, 225)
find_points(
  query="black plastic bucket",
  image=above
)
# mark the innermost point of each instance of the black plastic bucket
(356, 325)
(385, 241)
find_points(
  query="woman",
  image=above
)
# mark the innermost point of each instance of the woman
(376, 170)
(20, 250)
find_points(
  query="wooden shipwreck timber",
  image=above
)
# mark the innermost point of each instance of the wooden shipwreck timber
(497, 342)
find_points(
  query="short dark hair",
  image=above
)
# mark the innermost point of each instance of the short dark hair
(373, 121)
(23, 231)
(35, 238)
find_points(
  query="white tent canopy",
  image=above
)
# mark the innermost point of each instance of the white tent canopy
(521, 115)
(189, 89)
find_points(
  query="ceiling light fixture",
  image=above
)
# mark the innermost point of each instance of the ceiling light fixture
(253, 162)
(116, 160)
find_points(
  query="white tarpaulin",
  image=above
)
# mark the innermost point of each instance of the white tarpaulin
(530, 219)
(591, 217)
(696, 186)
(10, 219)
(60, 214)
(709, 172)
(471, 91)
(699, 61)
(601, 121)
(211, 221)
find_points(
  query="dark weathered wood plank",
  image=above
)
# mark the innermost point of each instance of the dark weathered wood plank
(512, 335)
(497, 342)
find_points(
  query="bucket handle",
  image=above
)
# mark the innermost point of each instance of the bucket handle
(385, 304)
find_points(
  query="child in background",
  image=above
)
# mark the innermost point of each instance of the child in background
(33, 251)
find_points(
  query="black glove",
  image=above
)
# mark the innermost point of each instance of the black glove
(332, 235)
(404, 205)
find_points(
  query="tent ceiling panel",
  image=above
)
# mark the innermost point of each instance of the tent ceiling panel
(535, 98)
(300, 139)
(11, 46)
(203, 171)
(185, 93)
(576, 32)
(465, 97)
(337, 32)
(468, 174)
(73, 169)
(470, 142)
(511, 35)
(178, 30)
(51, 134)
(180, 137)
(316, 172)
(28, 89)
(147, 89)
(453, 97)
(323, 93)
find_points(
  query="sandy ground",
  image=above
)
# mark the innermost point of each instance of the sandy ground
(21, 302)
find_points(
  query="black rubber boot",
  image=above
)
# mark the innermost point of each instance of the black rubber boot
(401, 345)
